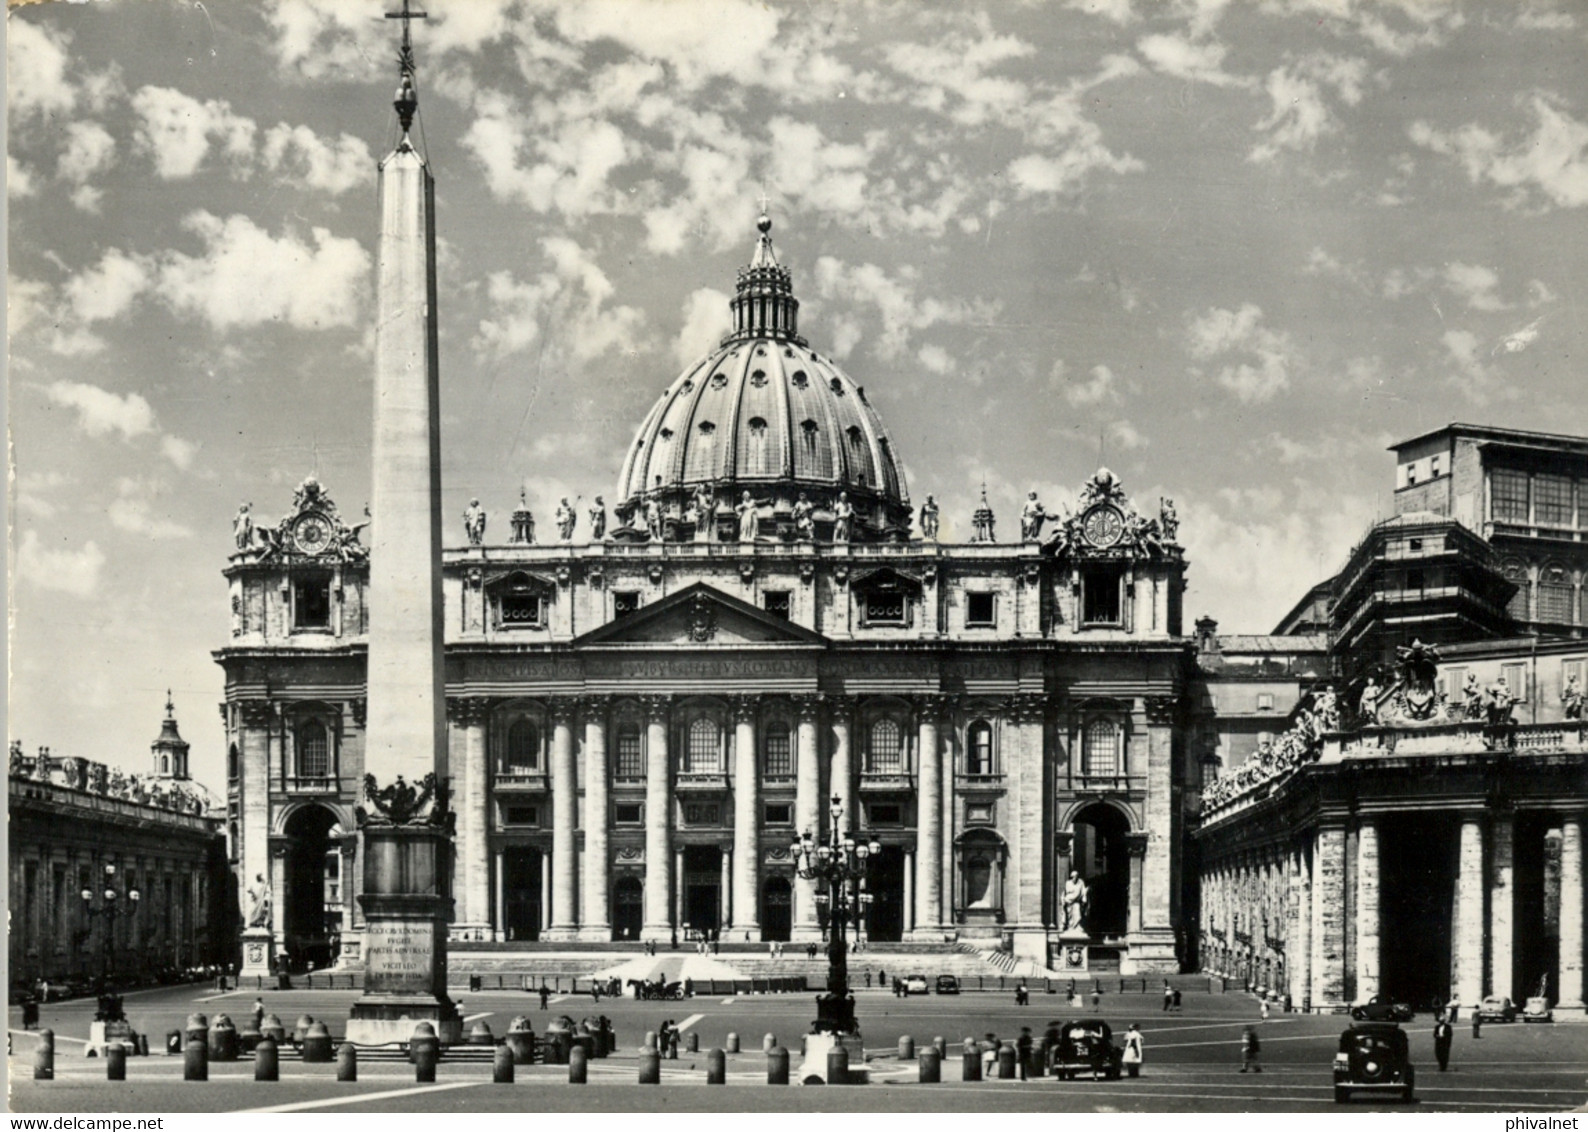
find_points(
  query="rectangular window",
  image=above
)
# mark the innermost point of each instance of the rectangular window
(778, 813)
(628, 813)
(1411, 474)
(779, 753)
(311, 602)
(1265, 701)
(1552, 500)
(1415, 545)
(1100, 592)
(884, 609)
(884, 813)
(1433, 466)
(1415, 581)
(1508, 495)
(630, 763)
(1570, 669)
(702, 813)
(522, 611)
(979, 610)
(777, 603)
(624, 602)
(520, 815)
(1515, 677)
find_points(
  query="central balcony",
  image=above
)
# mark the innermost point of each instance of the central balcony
(700, 781)
(522, 781)
(886, 781)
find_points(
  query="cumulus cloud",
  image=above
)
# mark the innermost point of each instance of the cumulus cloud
(1095, 388)
(1550, 164)
(1479, 382)
(807, 166)
(89, 151)
(67, 571)
(900, 311)
(565, 308)
(302, 157)
(1519, 339)
(1117, 11)
(1259, 359)
(697, 42)
(19, 178)
(37, 63)
(706, 320)
(177, 131)
(107, 290)
(1395, 27)
(935, 359)
(133, 510)
(564, 168)
(1300, 112)
(1479, 286)
(956, 74)
(101, 412)
(180, 452)
(1185, 58)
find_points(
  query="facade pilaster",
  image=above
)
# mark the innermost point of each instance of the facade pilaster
(1028, 797)
(807, 811)
(469, 714)
(929, 822)
(257, 718)
(1502, 903)
(909, 890)
(1367, 910)
(840, 711)
(746, 877)
(1571, 903)
(565, 821)
(658, 822)
(596, 922)
(1299, 946)
(1466, 937)
(278, 886)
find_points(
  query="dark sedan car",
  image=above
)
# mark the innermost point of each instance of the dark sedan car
(1373, 1059)
(1376, 1009)
(1086, 1046)
(947, 984)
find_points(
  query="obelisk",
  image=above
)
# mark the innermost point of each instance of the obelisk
(404, 813)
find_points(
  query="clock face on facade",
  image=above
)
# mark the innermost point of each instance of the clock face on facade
(311, 534)
(1102, 526)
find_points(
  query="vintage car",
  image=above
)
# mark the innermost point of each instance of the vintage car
(1373, 1059)
(1085, 1046)
(1537, 1009)
(1376, 1009)
(916, 984)
(1497, 1008)
(947, 984)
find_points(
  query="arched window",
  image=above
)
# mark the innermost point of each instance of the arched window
(522, 754)
(808, 431)
(165, 764)
(1516, 573)
(703, 752)
(779, 753)
(1100, 749)
(885, 754)
(314, 752)
(1555, 595)
(979, 749)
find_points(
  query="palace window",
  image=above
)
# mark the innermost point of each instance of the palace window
(523, 610)
(777, 813)
(885, 753)
(979, 749)
(1516, 574)
(311, 602)
(980, 610)
(1515, 677)
(1552, 500)
(776, 602)
(884, 813)
(624, 602)
(1100, 749)
(1100, 595)
(520, 815)
(884, 608)
(314, 751)
(779, 753)
(703, 751)
(1508, 495)
(628, 813)
(521, 754)
(1265, 701)
(630, 763)
(702, 813)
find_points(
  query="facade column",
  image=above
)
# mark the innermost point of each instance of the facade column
(545, 893)
(278, 886)
(499, 923)
(679, 910)
(929, 822)
(1466, 937)
(257, 717)
(469, 714)
(1502, 903)
(807, 812)
(658, 822)
(1299, 946)
(909, 891)
(596, 922)
(1136, 846)
(840, 710)
(745, 881)
(725, 894)
(1571, 901)
(1367, 910)
(1328, 918)
(564, 820)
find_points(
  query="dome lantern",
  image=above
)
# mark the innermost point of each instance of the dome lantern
(764, 305)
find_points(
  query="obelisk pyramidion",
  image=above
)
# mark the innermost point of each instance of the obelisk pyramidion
(404, 812)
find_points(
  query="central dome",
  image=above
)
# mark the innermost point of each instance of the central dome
(765, 413)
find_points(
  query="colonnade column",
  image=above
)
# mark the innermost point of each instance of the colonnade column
(255, 719)
(840, 710)
(658, 822)
(597, 919)
(746, 878)
(1466, 942)
(1367, 910)
(1136, 846)
(1300, 944)
(679, 910)
(1328, 918)
(929, 822)
(564, 819)
(500, 920)
(807, 811)
(1502, 903)
(1571, 928)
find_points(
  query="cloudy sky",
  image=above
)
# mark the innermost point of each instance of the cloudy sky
(1232, 249)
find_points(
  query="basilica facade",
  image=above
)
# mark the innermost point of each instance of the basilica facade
(645, 712)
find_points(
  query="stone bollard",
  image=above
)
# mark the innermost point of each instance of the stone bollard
(1006, 1062)
(520, 1040)
(931, 1063)
(648, 1044)
(480, 1034)
(942, 1047)
(196, 1061)
(692, 1042)
(1038, 1065)
(650, 1066)
(716, 1067)
(247, 1038)
(972, 1061)
(424, 1052)
(267, 1061)
(777, 1066)
(578, 1065)
(272, 1028)
(143, 1045)
(347, 1062)
(733, 1043)
(115, 1062)
(502, 1065)
(223, 1039)
(906, 1048)
(769, 1043)
(317, 1044)
(44, 1057)
(197, 1030)
(301, 1030)
(838, 1066)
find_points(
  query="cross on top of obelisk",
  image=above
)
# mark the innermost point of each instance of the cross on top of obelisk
(407, 101)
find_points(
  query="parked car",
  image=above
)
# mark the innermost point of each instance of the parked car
(1086, 1046)
(1497, 1008)
(947, 984)
(916, 984)
(1373, 1058)
(1537, 1009)
(1376, 1009)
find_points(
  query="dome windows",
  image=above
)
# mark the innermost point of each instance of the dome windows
(707, 428)
(857, 439)
(800, 379)
(758, 378)
(758, 427)
(719, 381)
(837, 387)
(687, 387)
(666, 434)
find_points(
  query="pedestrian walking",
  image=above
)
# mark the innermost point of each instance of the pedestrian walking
(545, 995)
(1250, 1048)
(1263, 1006)
(1022, 995)
(259, 1014)
(1133, 1047)
(1023, 1050)
(1477, 1021)
(989, 1057)
(1444, 1034)
(882, 977)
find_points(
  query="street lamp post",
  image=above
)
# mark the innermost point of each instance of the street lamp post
(108, 909)
(840, 863)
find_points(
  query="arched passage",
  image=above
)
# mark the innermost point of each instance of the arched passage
(310, 919)
(1101, 855)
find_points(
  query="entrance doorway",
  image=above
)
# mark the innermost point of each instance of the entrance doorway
(1417, 884)
(777, 909)
(628, 907)
(311, 921)
(1099, 853)
(886, 885)
(521, 884)
(702, 884)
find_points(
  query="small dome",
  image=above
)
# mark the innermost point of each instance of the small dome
(765, 413)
